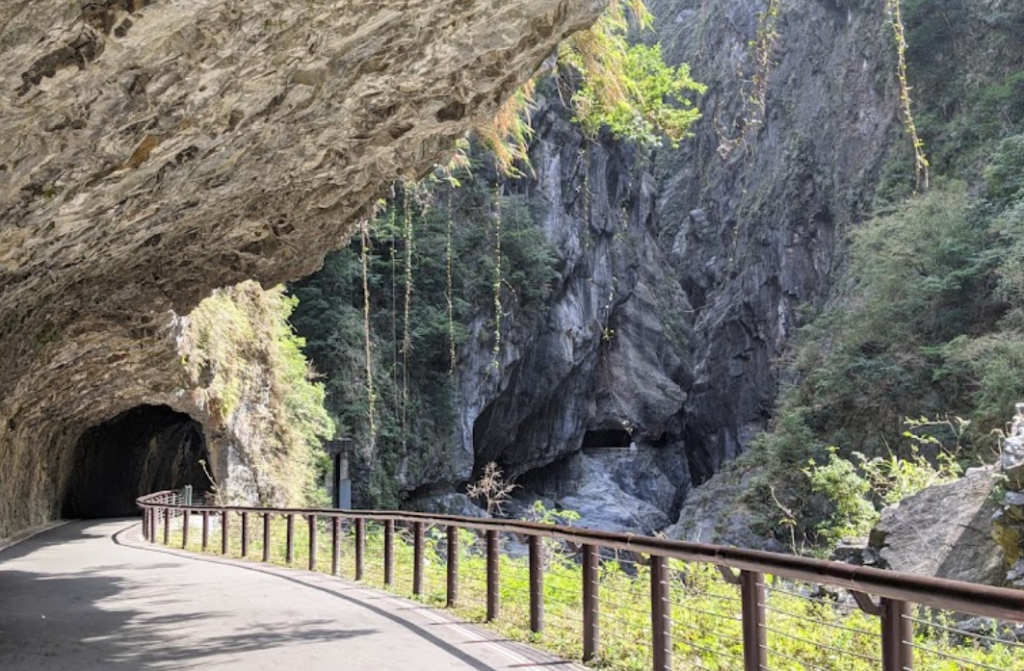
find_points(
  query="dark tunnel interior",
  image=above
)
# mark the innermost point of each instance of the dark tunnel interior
(143, 450)
(606, 438)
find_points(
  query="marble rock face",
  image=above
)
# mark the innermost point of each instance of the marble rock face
(153, 150)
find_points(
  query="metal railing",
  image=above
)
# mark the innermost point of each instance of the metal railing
(628, 601)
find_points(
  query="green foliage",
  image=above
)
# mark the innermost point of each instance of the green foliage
(652, 99)
(893, 479)
(838, 479)
(1004, 175)
(988, 367)
(330, 316)
(928, 320)
(625, 87)
(541, 514)
(966, 99)
(855, 487)
(919, 279)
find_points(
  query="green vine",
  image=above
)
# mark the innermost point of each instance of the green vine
(496, 360)
(406, 340)
(393, 252)
(370, 394)
(449, 289)
(921, 164)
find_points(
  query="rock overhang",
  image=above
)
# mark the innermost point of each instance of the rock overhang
(153, 150)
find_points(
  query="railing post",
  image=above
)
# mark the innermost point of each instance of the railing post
(225, 533)
(360, 546)
(389, 552)
(897, 636)
(453, 566)
(591, 604)
(335, 545)
(167, 526)
(536, 584)
(661, 616)
(493, 577)
(206, 530)
(417, 559)
(245, 535)
(755, 636)
(290, 540)
(184, 528)
(266, 537)
(312, 543)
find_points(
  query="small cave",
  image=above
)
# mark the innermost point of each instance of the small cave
(606, 438)
(143, 450)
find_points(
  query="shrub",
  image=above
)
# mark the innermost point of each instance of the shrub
(847, 490)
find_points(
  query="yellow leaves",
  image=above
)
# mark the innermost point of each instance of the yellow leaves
(508, 134)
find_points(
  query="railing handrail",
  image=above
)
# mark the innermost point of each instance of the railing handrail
(972, 598)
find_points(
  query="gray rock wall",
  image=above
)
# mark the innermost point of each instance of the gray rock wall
(684, 273)
(757, 234)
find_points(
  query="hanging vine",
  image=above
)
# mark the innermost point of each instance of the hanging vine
(755, 96)
(406, 339)
(496, 359)
(370, 394)
(449, 289)
(921, 164)
(394, 304)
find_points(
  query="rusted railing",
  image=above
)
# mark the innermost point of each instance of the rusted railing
(914, 614)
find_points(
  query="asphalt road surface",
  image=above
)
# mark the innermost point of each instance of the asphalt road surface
(92, 595)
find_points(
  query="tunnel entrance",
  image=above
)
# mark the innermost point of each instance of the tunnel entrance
(143, 450)
(606, 438)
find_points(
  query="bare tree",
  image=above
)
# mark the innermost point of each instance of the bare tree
(493, 488)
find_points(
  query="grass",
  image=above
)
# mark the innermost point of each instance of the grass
(807, 629)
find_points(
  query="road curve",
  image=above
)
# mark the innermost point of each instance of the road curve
(91, 595)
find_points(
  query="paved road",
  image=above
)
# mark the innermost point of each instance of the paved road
(90, 595)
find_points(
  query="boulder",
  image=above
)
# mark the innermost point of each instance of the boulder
(945, 531)
(717, 512)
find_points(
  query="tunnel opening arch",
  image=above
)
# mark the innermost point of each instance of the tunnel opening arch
(141, 450)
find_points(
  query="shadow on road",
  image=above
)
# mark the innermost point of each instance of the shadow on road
(57, 617)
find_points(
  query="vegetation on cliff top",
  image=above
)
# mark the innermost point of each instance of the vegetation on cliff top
(246, 366)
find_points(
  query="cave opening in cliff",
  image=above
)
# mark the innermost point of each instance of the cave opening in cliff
(143, 450)
(606, 438)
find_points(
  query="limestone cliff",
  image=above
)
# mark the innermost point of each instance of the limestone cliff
(151, 151)
(683, 275)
